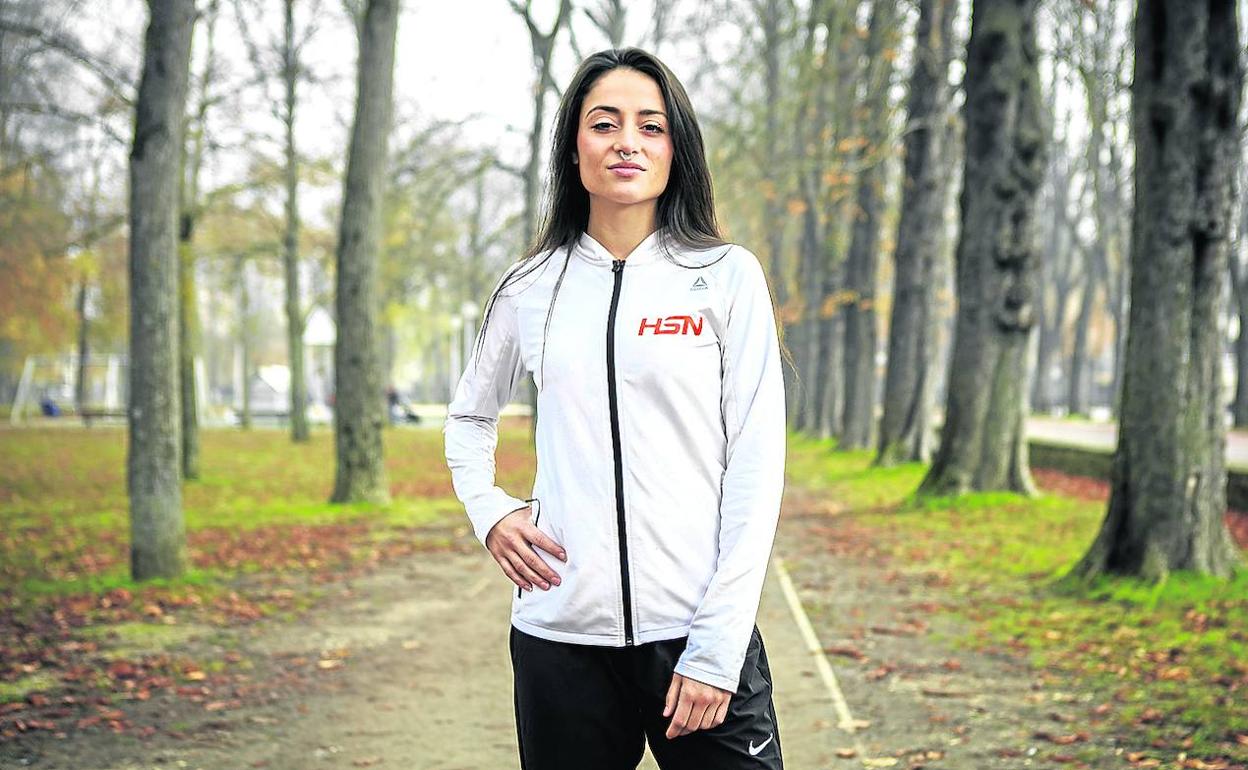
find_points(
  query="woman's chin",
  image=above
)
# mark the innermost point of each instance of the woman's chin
(617, 198)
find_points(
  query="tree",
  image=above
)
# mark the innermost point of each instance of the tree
(154, 456)
(822, 274)
(358, 408)
(919, 240)
(982, 441)
(543, 45)
(281, 61)
(190, 206)
(862, 261)
(1168, 482)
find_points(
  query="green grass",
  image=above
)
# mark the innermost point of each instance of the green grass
(259, 507)
(64, 520)
(1177, 646)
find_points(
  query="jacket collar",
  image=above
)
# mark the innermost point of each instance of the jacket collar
(590, 250)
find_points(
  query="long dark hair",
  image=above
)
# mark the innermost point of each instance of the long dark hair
(685, 210)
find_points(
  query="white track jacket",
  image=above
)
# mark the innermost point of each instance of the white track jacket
(660, 445)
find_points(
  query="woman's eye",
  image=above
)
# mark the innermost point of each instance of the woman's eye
(657, 128)
(608, 125)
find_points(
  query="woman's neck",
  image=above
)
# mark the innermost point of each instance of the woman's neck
(620, 229)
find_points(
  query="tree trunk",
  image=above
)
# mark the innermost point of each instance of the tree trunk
(1055, 286)
(543, 45)
(84, 328)
(862, 262)
(1168, 482)
(188, 345)
(189, 328)
(770, 21)
(1076, 386)
(982, 440)
(829, 320)
(153, 461)
(809, 126)
(919, 239)
(1239, 293)
(290, 240)
(358, 400)
(244, 342)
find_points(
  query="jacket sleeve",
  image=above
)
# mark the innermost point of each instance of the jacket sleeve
(753, 406)
(488, 382)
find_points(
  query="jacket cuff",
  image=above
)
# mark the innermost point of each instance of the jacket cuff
(482, 523)
(708, 677)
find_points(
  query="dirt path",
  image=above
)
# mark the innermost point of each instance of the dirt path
(923, 701)
(408, 668)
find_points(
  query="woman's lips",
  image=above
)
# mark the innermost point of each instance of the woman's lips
(625, 171)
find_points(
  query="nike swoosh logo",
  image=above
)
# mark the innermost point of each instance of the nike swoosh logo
(754, 750)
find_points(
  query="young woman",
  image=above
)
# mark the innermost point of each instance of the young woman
(660, 446)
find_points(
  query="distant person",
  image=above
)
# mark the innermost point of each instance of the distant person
(392, 404)
(660, 446)
(49, 407)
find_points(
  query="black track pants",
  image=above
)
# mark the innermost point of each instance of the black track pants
(586, 707)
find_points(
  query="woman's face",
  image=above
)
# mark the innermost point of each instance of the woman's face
(624, 110)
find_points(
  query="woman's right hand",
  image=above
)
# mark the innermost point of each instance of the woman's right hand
(511, 542)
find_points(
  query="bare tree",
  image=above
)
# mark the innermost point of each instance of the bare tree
(829, 385)
(190, 205)
(811, 123)
(982, 441)
(920, 239)
(279, 62)
(358, 401)
(609, 18)
(1168, 483)
(543, 44)
(153, 463)
(862, 261)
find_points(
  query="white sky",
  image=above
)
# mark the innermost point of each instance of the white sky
(468, 60)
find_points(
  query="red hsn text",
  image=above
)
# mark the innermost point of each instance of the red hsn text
(673, 324)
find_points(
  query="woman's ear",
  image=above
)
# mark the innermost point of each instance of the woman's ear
(574, 158)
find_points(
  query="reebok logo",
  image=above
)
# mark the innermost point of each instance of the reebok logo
(755, 749)
(673, 324)
(699, 283)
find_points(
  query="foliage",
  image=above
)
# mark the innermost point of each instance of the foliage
(37, 286)
(1171, 659)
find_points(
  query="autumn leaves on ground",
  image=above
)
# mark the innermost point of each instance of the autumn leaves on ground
(84, 652)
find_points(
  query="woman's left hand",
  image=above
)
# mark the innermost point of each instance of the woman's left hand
(694, 705)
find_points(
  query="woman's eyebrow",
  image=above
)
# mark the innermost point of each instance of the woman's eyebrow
(616, 110)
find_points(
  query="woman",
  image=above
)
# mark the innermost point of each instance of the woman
(660, 445)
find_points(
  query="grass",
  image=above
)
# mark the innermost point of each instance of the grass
(64, 521)
(258, 510)
(1171, 656)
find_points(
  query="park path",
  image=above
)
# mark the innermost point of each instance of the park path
(407, 667)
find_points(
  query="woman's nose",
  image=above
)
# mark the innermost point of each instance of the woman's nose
(628, 140)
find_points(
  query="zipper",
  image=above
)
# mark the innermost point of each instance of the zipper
(617, 267)
(537, 514)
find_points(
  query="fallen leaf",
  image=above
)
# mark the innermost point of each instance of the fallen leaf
(1062, 740)
(848, 650)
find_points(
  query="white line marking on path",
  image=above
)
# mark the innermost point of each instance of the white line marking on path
(846, 722)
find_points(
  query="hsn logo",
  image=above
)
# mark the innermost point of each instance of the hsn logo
(673, 324)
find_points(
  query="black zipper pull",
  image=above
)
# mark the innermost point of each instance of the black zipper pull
(617, 265)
